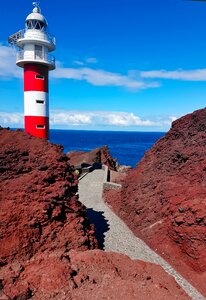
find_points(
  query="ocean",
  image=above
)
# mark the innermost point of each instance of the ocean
(127, 147)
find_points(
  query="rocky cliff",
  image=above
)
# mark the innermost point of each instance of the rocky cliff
(38, 209)
(99, 155)
(46, 240)
(163, 199)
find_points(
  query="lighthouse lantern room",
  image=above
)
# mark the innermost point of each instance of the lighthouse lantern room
(33, 45)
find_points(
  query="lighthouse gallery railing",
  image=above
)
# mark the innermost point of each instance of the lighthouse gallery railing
(25, 33)
(47, 58)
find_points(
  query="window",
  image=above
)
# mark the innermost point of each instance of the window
(40, 101)
(41, 77)
(38, 52)
(35, 24)
(40, 126)
(29, 25)
(38, 25)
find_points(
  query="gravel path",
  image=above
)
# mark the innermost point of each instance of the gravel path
(114, 235)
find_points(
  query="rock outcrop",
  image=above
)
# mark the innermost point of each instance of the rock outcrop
(90, 275)
(100, 156)
(46, 240)
(163, 199)
(39, 209)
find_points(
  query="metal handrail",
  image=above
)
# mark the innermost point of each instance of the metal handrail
(49, 37)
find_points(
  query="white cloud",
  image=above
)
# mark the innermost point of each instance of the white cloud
(172, 118)
(91, 60)
(121, 119)
(102, 78)
(98, 77)
(78, 62)
(10, 119)
(70, 118)
(186, 75)
(112, 119)
(8, 68)
(105, 118)
(164, 121)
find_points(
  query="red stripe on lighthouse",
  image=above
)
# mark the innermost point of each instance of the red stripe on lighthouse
(35, 78)
(36, 100)
(37, 126)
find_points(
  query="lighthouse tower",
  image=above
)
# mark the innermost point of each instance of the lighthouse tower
(34, 44)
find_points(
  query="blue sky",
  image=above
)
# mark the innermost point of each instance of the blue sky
(121, 64)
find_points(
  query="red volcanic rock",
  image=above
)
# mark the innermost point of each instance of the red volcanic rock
(39, 209)
(163, 199)
(90, 275)
(99, 155)
(42, 220)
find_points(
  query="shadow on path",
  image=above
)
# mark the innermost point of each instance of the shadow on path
(100, 223)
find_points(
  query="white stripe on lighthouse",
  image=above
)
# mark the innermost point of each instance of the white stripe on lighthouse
(36, 104)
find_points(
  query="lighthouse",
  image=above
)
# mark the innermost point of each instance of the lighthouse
(34, 44)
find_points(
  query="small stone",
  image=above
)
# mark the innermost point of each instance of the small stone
(179, 220)
(181, 209)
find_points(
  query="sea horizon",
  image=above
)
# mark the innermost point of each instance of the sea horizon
(127, 147)
(108, 130)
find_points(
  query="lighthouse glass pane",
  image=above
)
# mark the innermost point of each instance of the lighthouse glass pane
(38, 52)
(39, 25)
(29, 25)
(34, 22)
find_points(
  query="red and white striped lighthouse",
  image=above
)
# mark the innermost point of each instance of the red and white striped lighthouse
(34, 44)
